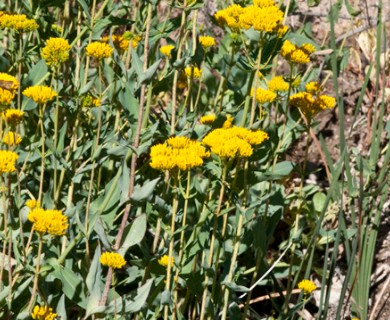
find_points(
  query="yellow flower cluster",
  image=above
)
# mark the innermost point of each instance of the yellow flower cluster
(40, 94)
(99, 50)
(295, 54)
(120, 43)
(193, 71)
(278, 84)
(56, 51)
(112, 259)
(164, 260)
(52, 222)
(234, 142)
(206, 41)
(207, 119)
(91, 102)
(135, 39)
(8, 87)
(7, 161)
(177, 153)
(6, 97)
(12, 116)
(12, 138)
(18, 22)
(313, 87)
(263, 16)
(166, 50)
(310, 105)
(307, 286)
(32, 204)
(43, 313)
(264, 95)
(228, 122)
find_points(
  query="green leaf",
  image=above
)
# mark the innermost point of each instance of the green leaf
(133, 234)
(139, 300)
(143, 193)
(319, 200)
(94, 273)
(37, 74)
(150, 72)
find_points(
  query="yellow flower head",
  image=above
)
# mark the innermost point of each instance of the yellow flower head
(264, 3)
(278, 84)
(206, 41)
(17, 22)
(91, 102)
(234, 141)
(12, 138)
(325, 102)
(207, 119)
(56, 51)
(164, 260)
(40, 94)
(264, 19)
(135, 39)
(177, 153)
(310, 105)
(295, 54)
(307, 286)
(120, 43)
(112, 259)
(228, 122)
(230, 16)
(166, 50)
(12, 116)
(264, 96)
(52, 222)
(7, 161)
(193, 72)
(6, 97)
(281, 30)
(99, 50)
(43, 313)
(313, 87)
(8, 82)
(32, 204)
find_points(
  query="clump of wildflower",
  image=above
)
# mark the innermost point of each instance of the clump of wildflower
(193, 72)
(206, 41)
(112, 260)
(7, 161)
(313, 87)
(32, 204)
(40, 94)
(8, 82)
(164, 260)
(12, 116)
(307, 286)
(234, 141)
(120, 43)
(230, 16)
(99, 50)
(43, 313)
(295, 54)
(207, 119)
(264, 19)
(278, 84)
(6, 97)
(18, 22)
(12, 138)
(56, 51)
(166, 50)
(264, 95)
(52, 222)
(310, 104)
(177, 153)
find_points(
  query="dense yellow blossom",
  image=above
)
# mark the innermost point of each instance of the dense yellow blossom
(207, 119)
(52, 222)
(230, 16)
(43, 313)
(8, 82)
(120, 43)
(313, 87)
(6, 97)
(307, 286)
(99, 50)
(177, 153)
(234, 142)
(164, 260)
(40, 94)
(7, 161)
(310, 105)
(278, 84)
(264, 3)
(18, 22)
(32, 204)
(228, 122)
(12, 138)
(12, 116)
(264, 19)
(264, 95)
(112, 259)
(295, 54)
(281, 30)
(166, 50)
(193, 71)
(206, 41)
(56, 51)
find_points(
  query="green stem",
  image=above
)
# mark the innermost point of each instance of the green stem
(40, 124)
(37, 268)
